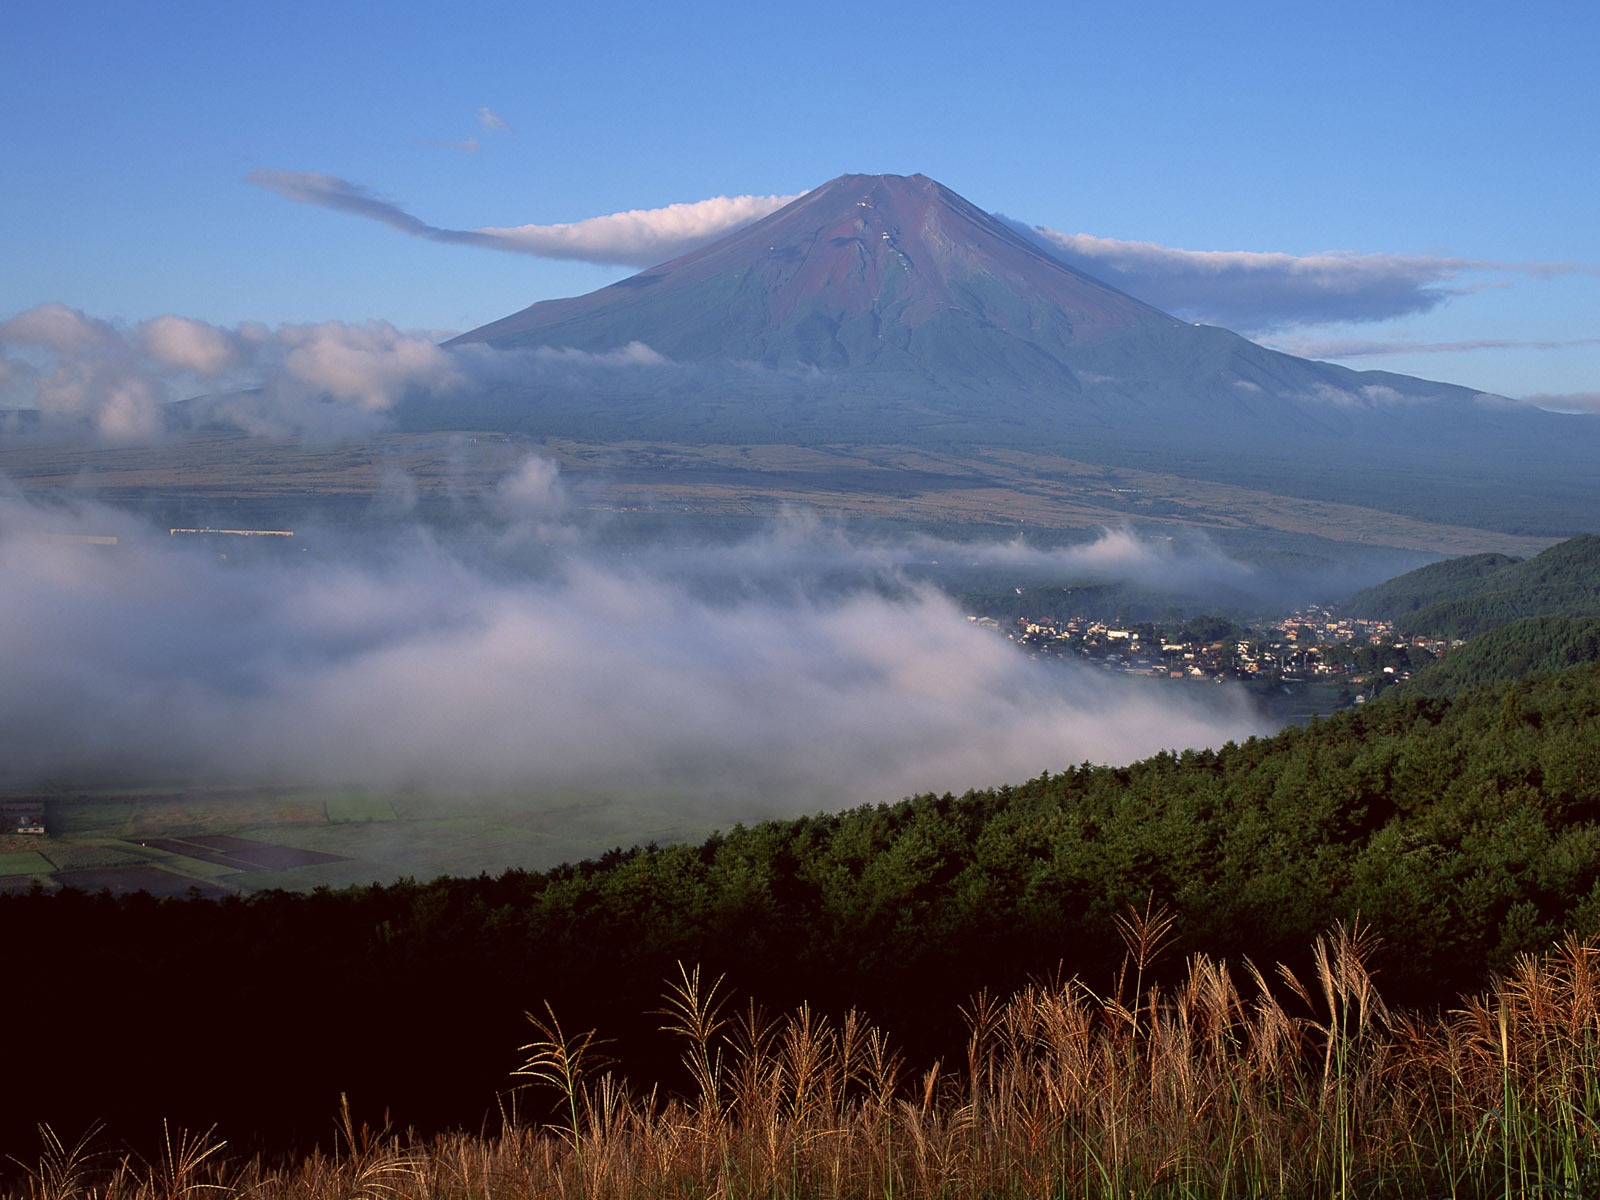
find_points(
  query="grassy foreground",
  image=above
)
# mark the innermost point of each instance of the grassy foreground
(1228, 1084)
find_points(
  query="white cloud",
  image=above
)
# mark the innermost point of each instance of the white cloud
(80, 375)
(1341, 348)
(322, 382)
(1569, 402)
(530, 496)
(370, 365)
(191, 345)
(87, 377)
(492, 121)
(1114, 554)
(116, 405)
(639, 237)
(1370, 396)
(408, 666)
(57, 328)
(634, 354)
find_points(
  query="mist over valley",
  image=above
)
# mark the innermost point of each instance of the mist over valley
(703, 546)
(526, 654)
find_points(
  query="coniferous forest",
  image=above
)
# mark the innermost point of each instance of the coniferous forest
(1465, 597)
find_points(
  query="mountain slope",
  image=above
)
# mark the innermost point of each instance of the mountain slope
(882, 309)
(866, 273)
(896, 285)
(1448, 580)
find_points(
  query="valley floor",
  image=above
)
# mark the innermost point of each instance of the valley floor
(984, 491)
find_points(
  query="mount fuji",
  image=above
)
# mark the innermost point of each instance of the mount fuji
(883, 310)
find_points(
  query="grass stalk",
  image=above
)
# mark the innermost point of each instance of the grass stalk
(1230, 1083)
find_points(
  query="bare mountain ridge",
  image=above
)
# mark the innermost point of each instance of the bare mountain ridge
(881, 309)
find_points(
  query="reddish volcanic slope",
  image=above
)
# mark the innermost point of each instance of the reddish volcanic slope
(862, 269)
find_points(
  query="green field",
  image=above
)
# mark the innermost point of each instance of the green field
(358, 806)
(90, 817)
(107, 838)
(24, 862)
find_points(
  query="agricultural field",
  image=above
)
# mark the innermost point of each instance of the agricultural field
(24, 864)
(221, 841)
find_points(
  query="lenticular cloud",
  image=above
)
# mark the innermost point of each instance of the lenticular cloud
(635, 238)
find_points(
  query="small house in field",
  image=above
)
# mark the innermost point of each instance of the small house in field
(22, 816)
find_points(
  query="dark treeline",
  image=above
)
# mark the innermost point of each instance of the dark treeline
(1120, 603)
(1463, 830)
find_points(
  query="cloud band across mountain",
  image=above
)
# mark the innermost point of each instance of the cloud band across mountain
(1251, 292)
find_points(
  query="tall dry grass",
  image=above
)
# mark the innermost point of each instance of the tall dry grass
(1229, 1084)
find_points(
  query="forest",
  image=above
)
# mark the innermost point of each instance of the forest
(1464, 597)
(1460, 830)
(1509, 652)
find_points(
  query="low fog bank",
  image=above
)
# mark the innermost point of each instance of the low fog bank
(753, 673)
(68, 376)
(534, 515)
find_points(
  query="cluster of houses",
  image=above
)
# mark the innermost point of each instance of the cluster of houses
(1309, 644)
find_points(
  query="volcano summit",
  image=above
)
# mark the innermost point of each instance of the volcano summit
(876, 273)
(887, 310)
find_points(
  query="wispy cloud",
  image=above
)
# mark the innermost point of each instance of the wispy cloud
(1378, 347)
(799, 542)
(638, 238)
(329, 191)
(1255, 292)
(1568, 402)
(489, 122)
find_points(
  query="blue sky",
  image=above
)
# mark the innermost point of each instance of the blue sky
(203, 160)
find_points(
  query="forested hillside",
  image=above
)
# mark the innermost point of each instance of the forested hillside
(1462, 597)
(1447, 579)
(1464, 831)
(1508, 653)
